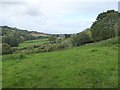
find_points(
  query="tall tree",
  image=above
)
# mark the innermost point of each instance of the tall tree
(103, 27)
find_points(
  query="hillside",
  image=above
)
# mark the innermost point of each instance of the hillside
(34, 33)
(5, 30)
(91, 66)
(14, 36)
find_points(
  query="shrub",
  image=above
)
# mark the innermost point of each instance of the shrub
(14, 49)
(52, 39)
(80, 39)
(60, 46)
(11, 41)
(29, 50)
(6, 49)
(41, 48)
(50, 48)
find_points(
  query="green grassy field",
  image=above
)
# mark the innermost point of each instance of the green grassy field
(88, 66)
(33, 42)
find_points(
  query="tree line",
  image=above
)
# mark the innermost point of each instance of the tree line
(106, 26)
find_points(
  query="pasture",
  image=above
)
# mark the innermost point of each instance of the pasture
(88, 66)
(33, 42)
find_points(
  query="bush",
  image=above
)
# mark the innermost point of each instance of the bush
(60, 46)
(80, 39)
(14, 49)
(29, 50)
(52, 39)
(41, 48)
(11, 41)
(6, 49)
(50, 48)
(109, 42)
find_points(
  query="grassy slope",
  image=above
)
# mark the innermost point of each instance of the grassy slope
(86, 66)
(37, 34)
(33, 42)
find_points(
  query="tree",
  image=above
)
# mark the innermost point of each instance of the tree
(11, 40)
(117, 28)
(80, 39)
(103, 27)
(67, 35)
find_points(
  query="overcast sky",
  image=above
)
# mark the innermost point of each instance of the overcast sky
(53, 16)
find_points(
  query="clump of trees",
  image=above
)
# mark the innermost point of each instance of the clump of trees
(105, 25)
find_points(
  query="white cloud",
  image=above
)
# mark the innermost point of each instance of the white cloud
(53, 16)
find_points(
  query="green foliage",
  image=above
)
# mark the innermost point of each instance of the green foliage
(67, 68)
(14, 36)
(21, 39)
(117, 28)
(80, 39)
(63, 69)
(29, 37)
(41, 48)
(108, 42)
(52, 47)
(11, 40)
(103, 27)
(52, 39)
(6, 49)
(43, 37)
(49, 48)
(59, 40)
(34, 43)
(61, 46)
(67, 35)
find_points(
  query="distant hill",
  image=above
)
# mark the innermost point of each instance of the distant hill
(8, 29)
(13, 36)
(34, 33)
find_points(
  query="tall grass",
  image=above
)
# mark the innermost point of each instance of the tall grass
(88, 66)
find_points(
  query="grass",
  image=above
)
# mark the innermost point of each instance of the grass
(38, 34)
(88, 66)
(33, 42)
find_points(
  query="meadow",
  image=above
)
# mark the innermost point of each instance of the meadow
(88, 66)
(32, 42)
